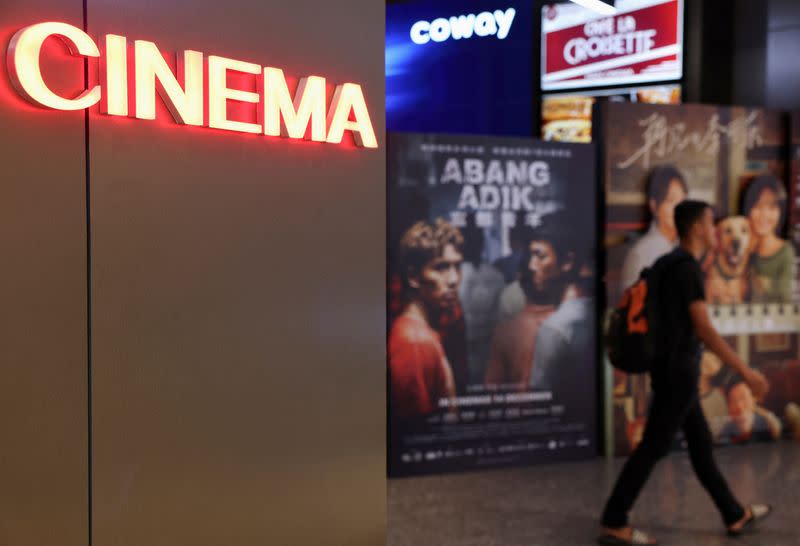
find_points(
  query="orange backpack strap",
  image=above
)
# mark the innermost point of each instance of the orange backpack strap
(637, 321)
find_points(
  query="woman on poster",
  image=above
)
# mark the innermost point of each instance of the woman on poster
(773, 260)
(666, 187)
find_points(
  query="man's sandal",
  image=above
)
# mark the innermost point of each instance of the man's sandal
(758, 513)
(637, 537)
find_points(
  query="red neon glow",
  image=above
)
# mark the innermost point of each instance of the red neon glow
(349, 98)
(219, 94)
(22, 60)
(185, 92)
(308, 106)
(184, 99)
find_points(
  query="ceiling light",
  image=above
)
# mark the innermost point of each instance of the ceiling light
(604, 7)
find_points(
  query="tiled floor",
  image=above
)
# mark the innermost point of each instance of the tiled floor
(558, 505)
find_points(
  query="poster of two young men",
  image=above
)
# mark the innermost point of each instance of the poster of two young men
(492, 317)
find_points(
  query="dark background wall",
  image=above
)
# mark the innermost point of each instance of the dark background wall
(783, 45)
(235, 305)
(745, 52)
(43, 305)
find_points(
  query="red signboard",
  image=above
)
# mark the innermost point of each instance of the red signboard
(643, 42)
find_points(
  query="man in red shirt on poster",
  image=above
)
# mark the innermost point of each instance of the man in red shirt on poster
(421, 375)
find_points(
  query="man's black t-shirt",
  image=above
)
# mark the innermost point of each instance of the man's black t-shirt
(679, 285)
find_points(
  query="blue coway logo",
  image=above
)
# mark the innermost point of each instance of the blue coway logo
(461, 27)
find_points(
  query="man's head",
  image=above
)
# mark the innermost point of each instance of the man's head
(551, 260)
(694, 221)
(665, 189)
(430, 258)
(742, 406)
(540, 269)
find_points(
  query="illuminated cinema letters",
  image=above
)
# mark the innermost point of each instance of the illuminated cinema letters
(348, 97)
(184, 103)
(22, 60)
(308, 106)
(114, 76)
(186, 91)
(219, 94)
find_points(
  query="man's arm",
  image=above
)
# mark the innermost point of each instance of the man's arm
(713, 341)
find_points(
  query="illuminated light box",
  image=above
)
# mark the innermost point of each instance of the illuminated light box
(460, 67)
(567, 117)
(642, 43)
(185, 93)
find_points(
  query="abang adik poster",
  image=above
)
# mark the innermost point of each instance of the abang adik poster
(734, 158)
(492, 352)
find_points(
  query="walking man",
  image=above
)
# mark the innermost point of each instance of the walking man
(683, 326)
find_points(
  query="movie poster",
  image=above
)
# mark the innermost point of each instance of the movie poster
(794, 191)
(492, 320)
(655, 157)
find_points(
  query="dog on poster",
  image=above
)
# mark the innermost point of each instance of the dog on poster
(728, 270)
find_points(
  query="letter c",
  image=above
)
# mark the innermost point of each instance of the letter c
(420, 32)
(571, 51)
(22, 59)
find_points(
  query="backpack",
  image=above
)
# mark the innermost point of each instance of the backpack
(629, 339)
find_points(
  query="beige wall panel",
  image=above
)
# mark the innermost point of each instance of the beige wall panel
(43, 324)
(238, 291)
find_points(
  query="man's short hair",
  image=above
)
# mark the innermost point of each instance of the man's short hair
(424, 242)
(557, 230)
(659, 181)
(753, 192)
(687, 214)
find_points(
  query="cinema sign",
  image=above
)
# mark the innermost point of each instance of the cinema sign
(189, 97)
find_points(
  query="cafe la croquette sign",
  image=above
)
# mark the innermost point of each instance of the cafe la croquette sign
(190, 99)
